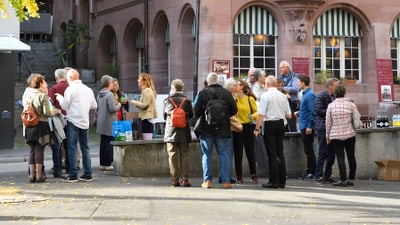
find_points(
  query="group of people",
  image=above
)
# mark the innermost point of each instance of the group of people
(259, 105)
(64, 120)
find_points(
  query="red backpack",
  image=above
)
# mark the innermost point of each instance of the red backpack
(178, 115)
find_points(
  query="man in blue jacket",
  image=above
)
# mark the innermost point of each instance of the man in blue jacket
(306, 124)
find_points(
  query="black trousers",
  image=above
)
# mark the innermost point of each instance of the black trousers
(308, 141)
(273, 138)
(106, 150)
(326, 157)
(339, 146)
(247, 139)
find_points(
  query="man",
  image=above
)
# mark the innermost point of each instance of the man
(273, 110)
(290, 87)
(306, 124)
(250, 77)
(218, 135)
(325, 154)
(177, 139)
(58, 123)
(77, 101)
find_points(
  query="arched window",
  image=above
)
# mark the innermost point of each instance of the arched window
(395, 50)
(254, 41)
(337, 44)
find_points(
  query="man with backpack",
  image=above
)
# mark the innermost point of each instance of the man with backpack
(214, 108)
(177, 112)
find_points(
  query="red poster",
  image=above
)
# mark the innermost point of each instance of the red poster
(300, 65)
(385, 79)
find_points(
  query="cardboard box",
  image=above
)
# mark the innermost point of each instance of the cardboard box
(388, 170)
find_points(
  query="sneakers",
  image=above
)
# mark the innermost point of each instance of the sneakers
(86, 178)
(349, 182)
(340, 183)
(307, 177)
(227, 185)
(186, 183)
(206, 184)
(239, 180)
(254, 179)
(107, 168)
(70, 179)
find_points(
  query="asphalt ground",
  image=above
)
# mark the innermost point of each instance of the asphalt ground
(111, 199)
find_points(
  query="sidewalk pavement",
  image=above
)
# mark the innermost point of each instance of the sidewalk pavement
(111, 199)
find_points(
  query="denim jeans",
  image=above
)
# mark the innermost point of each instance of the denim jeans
(56, 153)
(224, 152)
(75, 134)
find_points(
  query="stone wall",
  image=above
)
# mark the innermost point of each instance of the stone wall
(149, 158)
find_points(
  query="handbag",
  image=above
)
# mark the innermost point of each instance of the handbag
(29, 116)
(236, 126)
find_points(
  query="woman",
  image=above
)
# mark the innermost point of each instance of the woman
(106, 114)
(37, 137)
(120, 98)
(341, 135)
(146, 104)
(247, 114)
(177, 139)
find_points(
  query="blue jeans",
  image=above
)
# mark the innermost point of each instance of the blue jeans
(75, 134)
(224, 152)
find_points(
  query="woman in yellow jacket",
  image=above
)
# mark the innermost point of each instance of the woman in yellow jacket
(247, 114)
(146, 104)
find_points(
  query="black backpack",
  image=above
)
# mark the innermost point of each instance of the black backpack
(216, 110)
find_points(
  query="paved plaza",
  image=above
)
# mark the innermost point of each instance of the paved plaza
(112, 199)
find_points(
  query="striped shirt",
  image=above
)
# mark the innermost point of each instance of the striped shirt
(339, 125)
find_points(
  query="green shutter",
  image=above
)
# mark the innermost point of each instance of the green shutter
(337, 23)
(255, 20)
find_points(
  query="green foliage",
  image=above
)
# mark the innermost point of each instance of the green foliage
(322, 76)
(74, 35)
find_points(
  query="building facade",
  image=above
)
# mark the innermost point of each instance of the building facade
(353, 40)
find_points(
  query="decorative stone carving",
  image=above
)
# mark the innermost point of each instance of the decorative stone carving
(299, 12)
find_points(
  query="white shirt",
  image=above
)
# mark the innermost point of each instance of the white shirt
(78, 100)
(273, 105)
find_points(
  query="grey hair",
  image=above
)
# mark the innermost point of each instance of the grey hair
(271, 81)
(230, 82)
(212, 78)
(287, 64)
(178, 84)
(60, 73)
(106, 80)
(330, 81)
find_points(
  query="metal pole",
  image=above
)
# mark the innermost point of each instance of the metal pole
(146, 36)
(196, 51)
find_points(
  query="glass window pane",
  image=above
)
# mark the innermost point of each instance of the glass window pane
(336, 64)
(235, 51)
(235, 62)
(258, 51)
(244, 39)
(244, 62)
(355, 64)
(394, 64)
(393, 53)
(258, 39)
(393, 43)
(269, 63)
(235, 39)
(354, 53)
(347, 63)
(258, 62)
(244, 51)
(317, 64)
(270, 51)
